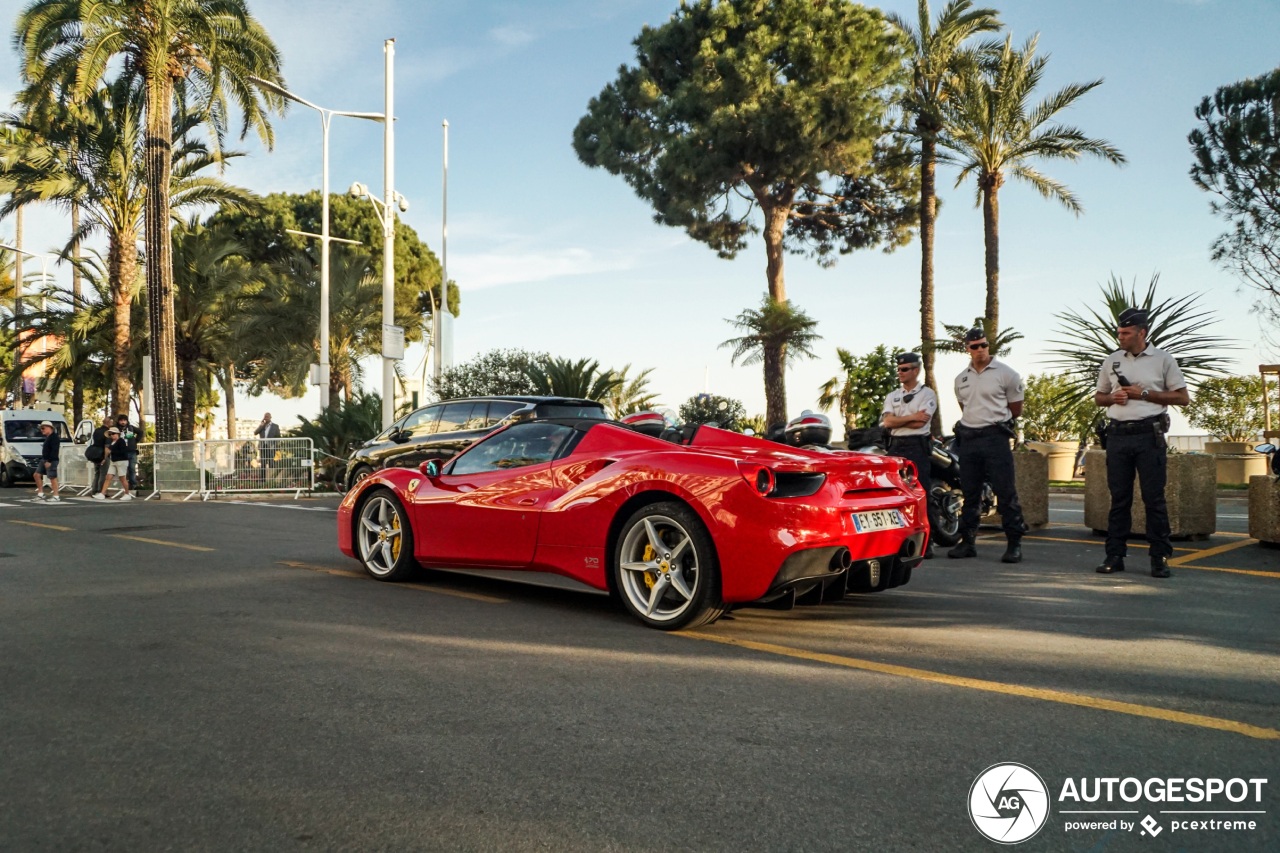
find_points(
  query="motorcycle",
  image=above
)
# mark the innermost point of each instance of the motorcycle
(946, 498)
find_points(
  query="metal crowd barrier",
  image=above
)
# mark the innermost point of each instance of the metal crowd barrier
(75, 473)
(212, 467)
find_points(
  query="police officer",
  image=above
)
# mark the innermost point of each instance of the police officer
(1137, 383)
(907, 414)
(990, 396)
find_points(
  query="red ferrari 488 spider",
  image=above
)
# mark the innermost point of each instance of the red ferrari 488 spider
(678, 532)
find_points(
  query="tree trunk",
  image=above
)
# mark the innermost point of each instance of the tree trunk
(990, 185)
(122, 269)
(159, 145)
(928, 219)
(229, 389)
(187, 411)
(77, 388)
(775, 362)
(17, 295)
(775, 388)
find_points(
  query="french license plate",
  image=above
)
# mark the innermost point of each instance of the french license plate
(878, 519)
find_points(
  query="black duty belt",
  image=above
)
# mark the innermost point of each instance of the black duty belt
(900, 440)
(963, 431)
(1142, 427)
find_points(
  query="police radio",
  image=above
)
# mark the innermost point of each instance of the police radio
(1120, 377)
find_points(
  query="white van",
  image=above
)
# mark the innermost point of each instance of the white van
(21, 441)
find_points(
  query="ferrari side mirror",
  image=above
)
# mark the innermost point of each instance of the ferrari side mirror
(430, 469)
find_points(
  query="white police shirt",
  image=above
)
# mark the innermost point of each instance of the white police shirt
(985, 397)
(1152, 368)
(922, 400)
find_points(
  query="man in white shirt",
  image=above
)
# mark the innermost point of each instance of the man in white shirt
(906, 415)
(990, 395)
(1137, 383)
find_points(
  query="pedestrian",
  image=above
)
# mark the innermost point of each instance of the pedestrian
(908, 415)
(48, 464)
(990, 396)
(130, 434)
(96, 453)
(117, 465)
(1137, 384)
(267, 429)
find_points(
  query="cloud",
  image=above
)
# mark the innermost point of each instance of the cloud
(512, 36)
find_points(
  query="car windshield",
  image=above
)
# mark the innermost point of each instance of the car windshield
(561, 410)
(30, 431)
(523, 444)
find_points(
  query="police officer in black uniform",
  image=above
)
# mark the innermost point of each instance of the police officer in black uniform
(1137, 383)
(907, 415)
(990, 395)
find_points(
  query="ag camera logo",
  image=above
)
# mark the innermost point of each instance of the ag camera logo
(1008, 803)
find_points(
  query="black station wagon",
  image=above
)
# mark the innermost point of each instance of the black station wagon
(442, 430)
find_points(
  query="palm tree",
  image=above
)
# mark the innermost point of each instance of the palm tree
(630, 395)
(582, 379)
(278, 332)
(937, 60)
(92, 162)
(1178, 326)
(200, 48)
(773, 333)
(211, 285)
(994, 130)
(954, 341)
(84, 326)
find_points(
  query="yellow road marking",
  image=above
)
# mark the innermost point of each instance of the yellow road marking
(162, 542)
(1255, 572)
(1042, 694)
(347, 573)
(45, 526)
(1209, 552)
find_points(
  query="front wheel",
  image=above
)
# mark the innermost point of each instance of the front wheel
(384, 539)
(944, 515)
(665, 568)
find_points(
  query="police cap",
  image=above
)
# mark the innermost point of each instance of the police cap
(907, 358)
(974, 334)
(1133, 317)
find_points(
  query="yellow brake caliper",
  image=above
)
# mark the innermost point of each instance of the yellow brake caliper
(395, 546)
(649, 578)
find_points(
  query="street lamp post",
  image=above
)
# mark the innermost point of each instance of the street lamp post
(437, 324)
(326, 115)
(386, 213)
(17, 289)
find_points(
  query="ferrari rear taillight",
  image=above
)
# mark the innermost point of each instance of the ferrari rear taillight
(760, 477)
(908, 474)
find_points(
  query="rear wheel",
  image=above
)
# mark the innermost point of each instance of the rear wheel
(944, 515)
(384, 539)
(361, 472)
(665, 568)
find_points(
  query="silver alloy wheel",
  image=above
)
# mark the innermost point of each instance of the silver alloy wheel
(659, 565)
(380, 535)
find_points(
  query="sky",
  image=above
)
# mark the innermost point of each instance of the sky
(553, 256)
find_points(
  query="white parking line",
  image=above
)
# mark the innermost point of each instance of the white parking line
(281, 506)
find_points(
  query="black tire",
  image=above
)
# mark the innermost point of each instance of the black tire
(944, 516)
(361, 472)
(6, 480)
(665, 568)
(383, 539)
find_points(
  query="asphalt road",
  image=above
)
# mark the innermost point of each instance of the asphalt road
(217, 676)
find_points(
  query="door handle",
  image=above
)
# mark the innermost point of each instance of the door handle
(527, 501)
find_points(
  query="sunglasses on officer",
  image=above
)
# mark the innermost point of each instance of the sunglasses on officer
(907, 368)
(979, 345)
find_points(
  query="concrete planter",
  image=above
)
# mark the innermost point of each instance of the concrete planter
(1237, 461)
(1031, 477)
(1061, 455)
(1264, 508)
(1190, 491)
